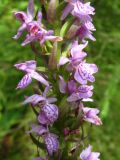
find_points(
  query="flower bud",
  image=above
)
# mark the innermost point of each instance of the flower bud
(51, 11)
(53, 58)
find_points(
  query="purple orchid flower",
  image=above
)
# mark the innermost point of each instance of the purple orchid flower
(83, 11)
(78, 9)
(29, 67)
(81, 93)
(34, 28)
(84, 72)
(52, 143)
(76, 55)
(87, 154)
(90, 115)
(36, 32)
(50, 139)
(49, 111)
(24, 18)
(40, 35)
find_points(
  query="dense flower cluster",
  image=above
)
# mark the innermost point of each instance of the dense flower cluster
(69, 85)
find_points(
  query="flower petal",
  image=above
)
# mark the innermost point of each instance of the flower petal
(73, 97)
(27, 66)
(90, 115)
(30, 9)
(38, 77)
(52, 143)
(51, 99)
(20, 16)
(51, 112)
(26, 80)
(66, 11)
(28, 39)
(62, 85)
(40, 130)
(63, 61)
(42, 118)
(20, 31)
(39, 18)
(86, 153)
(34, 99)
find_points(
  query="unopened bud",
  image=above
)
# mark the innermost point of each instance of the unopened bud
(51, 11)
(53, 58)
(72, 31)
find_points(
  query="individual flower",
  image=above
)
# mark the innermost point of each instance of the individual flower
(78, 9)
(81, 93)
(35, 29)
(49, 111)
(24, 18)
(84, 72)
(52, 143)
(82, 11)
(38, 33)
(76, 55)
(50, 139)
(87, 154)
(90, 115)
(29, 68)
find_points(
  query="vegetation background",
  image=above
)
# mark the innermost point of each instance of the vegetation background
(105, 52)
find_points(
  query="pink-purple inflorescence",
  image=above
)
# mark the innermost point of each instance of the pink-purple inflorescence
(76, 89)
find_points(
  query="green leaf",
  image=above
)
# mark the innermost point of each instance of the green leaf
(66, 27)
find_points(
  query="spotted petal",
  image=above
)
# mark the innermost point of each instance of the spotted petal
(26, 80)
(51, 112)
(20, 16)
(52, 143)
(27, 66)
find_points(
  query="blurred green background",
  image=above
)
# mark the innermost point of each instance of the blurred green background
(105, 52)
